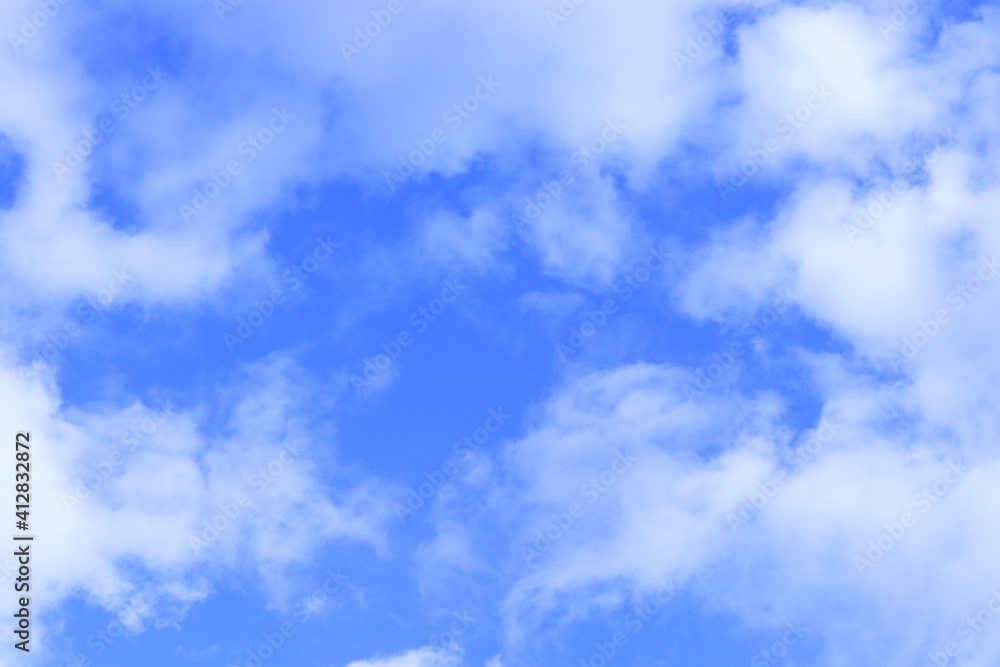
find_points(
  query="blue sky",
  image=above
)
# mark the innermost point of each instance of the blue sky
(395, 334)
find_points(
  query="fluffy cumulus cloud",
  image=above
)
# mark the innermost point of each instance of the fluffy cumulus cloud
(885, 240)
(789, 421)
(626, 489)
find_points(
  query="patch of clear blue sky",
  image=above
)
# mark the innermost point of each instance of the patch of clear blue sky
(11, 172)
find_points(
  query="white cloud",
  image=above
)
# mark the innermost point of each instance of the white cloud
(421, 657)
(471, 241)
(670, 516)
(890, 96)
(119, 493)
